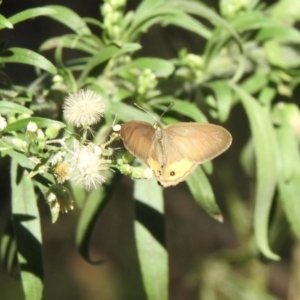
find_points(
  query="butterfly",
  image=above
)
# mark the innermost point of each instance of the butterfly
(174, 151)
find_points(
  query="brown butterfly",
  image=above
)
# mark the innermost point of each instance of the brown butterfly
(175, 150)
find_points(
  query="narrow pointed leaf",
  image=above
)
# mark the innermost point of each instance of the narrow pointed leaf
(161, 67)
(7, 107)
(30, 14)
(70, 19)
(40, 122)
(184, 107)
(187, 22)
(125, 113)
(266, 164)
(153, 261)
(94, 205)
(152, 255)
(28, 57)
(28, 232)
(5, 23)
(289, 193)
(105, 54)
(289, 175)
(223, 96)
(203, 194)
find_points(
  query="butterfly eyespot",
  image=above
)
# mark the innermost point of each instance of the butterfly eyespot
(172, 173)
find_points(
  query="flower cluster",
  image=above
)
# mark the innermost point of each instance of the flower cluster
(112, 11)
(83, 162)
(87, 166)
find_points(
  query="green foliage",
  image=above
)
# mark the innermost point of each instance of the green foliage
(250, 60)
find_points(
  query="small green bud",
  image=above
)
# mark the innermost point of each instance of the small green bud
(52, 131)
(120, 3)
(31, 132)
(32, 127)
(128, 157)
(106, 9)
(126, 169)
(40, 135)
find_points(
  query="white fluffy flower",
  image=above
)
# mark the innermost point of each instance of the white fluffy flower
(83, 108)
(88, 169)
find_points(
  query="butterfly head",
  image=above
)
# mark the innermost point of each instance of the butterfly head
(158, 130)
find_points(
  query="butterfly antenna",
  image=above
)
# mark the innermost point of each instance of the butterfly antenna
(165, 110)
(146, 111)
(114, 121)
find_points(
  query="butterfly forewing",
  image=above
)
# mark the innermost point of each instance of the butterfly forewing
(138, 138)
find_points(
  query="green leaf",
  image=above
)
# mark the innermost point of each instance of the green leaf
(200, 9)
(147, 14)
(5, 23)
(125, 113)
(21, 159)
(26, 56)
(149, 187)
(40, 122)
(28, 232)
(183, 107)
(223, 96)
(9, 254)
(7, 107)
(286, 10)
(218, 37)
(289, 167)
(94, 205)
(287, 143)
(267, 94)
(203, 194)
(289, 192)
(279, 32)
(188, 109)
(152, 255)
(185, 21)
(105, 54)
(4, 146)
(70, 19)
(72, 41)
(30, 14)
(284, 56)
(266, 165)
(256, 82)
(153, 261)
(161, 67)
(253, 20)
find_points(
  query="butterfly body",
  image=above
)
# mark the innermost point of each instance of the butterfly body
(175, 150)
